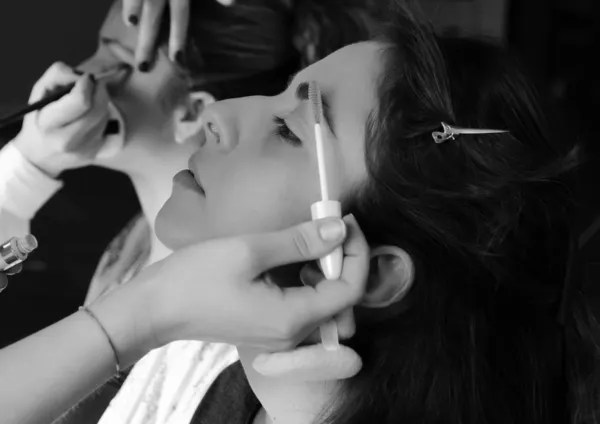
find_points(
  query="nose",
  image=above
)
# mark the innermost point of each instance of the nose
(91, 65)
(220, 127)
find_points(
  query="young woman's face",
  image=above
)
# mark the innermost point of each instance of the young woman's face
(258, 169)
(146, 100)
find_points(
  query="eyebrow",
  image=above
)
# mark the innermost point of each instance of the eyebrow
(302, 94)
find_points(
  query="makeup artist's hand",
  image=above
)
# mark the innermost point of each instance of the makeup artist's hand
(216, 291)
(68, 133)
(148, 14)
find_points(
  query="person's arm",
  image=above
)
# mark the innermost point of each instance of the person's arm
(24, 189)
(212, 291)
(47, 373)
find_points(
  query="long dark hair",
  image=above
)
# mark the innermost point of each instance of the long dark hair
(486, 221)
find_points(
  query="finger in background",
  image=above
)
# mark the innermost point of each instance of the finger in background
(180, 16)
(152, 12)
(132, 10)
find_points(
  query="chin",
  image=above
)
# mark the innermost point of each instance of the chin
(174, 232)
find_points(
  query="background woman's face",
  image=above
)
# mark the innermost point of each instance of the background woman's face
(146, 100)
(257, 173)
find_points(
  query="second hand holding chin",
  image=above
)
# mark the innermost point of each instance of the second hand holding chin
(213, 291)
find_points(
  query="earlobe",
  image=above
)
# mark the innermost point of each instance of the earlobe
(390, 278)
(188, 116)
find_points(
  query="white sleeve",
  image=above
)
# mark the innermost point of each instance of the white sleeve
(23, 191)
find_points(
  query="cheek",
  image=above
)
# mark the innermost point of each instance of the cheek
(266, 200)
(179, 222)
(142, 101)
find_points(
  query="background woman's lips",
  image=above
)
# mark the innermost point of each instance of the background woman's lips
(186, 179)
(194, 172)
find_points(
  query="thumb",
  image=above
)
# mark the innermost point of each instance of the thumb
(304, 242)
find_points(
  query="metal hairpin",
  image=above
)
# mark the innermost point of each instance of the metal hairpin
(451, 132)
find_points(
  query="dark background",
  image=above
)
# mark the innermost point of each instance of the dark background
(557, 39)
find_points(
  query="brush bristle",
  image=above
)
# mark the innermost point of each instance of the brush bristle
(314, 96)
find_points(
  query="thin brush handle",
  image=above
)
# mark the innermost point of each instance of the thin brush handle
(52, 97)
(321, 163)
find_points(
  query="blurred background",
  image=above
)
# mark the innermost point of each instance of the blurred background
(557, 39)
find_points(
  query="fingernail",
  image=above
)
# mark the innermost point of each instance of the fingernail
(332, 230)
(133, 20)
(144, 66)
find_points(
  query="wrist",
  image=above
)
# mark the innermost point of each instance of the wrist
(45, 169)
(123, 313)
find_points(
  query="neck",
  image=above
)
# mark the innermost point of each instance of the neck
(286, 401)
(153, 191)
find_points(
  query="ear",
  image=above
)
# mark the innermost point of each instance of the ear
(188, 115)
(391, 275)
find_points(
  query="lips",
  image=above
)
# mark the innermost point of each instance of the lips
(194, 172)
(114, 134)
(186, 180)
(197, 180)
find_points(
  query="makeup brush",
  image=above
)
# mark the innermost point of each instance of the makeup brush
(331, 264)
(55, 95)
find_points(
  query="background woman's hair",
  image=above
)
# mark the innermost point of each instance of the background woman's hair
(254, 46)
(486, 220)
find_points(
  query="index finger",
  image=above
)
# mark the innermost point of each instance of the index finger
(131, 11)
(356, 253)
(329, 297)
(59, 74)
(180, 16)
(152, 13)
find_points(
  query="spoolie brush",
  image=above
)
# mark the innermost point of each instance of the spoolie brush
(331, 265)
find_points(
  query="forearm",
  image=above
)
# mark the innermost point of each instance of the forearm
(47, 373)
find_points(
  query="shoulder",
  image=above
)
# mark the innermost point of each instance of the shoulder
(229, 399)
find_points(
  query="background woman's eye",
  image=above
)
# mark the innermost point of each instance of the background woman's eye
(284, 132)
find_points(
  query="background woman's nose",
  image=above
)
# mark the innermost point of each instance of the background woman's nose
(220, 129)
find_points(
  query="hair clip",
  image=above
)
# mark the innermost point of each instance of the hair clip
(452, 132)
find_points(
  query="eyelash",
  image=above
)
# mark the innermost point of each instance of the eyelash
(284, 132)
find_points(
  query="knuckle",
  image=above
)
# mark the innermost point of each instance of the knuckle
(82, 101)
(57, 67)
(242, 251)
(303, 244)
(288, 329)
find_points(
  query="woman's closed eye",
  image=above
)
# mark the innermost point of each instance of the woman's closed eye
(285, 133)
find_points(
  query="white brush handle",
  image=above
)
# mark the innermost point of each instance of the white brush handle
(331, 265)
(329, 335)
